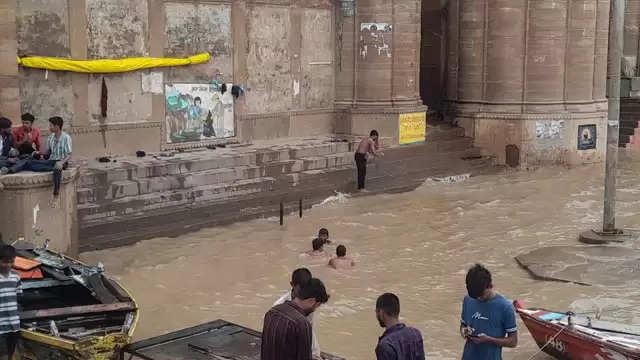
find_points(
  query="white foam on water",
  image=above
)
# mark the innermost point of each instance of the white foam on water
(338, 198)
(454, 179)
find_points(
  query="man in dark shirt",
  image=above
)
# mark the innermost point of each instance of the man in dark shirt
(286, 333)
(399, 342)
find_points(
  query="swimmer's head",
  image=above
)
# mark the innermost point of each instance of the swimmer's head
(323, 234)
(317, 244)
(341, 251)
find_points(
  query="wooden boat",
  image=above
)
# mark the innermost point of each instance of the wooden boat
(217, 340)
(570, 337)
(69, 310)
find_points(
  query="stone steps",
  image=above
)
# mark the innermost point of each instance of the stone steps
(312, 186)
(132, 196)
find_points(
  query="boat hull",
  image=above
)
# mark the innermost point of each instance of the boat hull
(37, 345)
(567, 344)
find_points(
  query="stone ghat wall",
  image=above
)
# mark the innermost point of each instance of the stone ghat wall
(280, 51)
(137, 199)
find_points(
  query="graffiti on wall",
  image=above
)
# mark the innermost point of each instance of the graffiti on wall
(196, 112)
(375, 40)
(549, 130)
(587, 137)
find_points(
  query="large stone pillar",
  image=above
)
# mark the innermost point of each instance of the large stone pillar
(10, 89)
(530, 74)
(28, 210)
(379, 65)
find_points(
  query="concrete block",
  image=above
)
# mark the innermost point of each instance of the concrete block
(164, 183)
(316, 162)
(635, 84)
(625, 87)
(215, 176)
(86, 195)
(120, 189)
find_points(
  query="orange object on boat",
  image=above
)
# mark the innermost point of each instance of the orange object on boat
(25, 264)
(34, 273)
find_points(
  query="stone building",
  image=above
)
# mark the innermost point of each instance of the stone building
(303, 65)
(519, 74)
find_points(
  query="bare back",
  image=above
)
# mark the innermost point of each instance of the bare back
(366, 146)
(342, 263)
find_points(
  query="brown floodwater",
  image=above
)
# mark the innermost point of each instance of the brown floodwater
(417, 245)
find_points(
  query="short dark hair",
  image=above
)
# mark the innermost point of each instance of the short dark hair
(323, 231)
(197, 99)
(57, 120)
(317, 244)
(5, 123)
(314, 289)
(300, 276)
(28, 117)
(7, 253)
(373, 133)
(341, 251)
(478, 280)
(389, 304)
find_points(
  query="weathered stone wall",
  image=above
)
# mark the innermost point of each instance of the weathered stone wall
(529, 73)
(282, 51)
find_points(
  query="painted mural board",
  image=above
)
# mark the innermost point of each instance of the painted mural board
(587, 137)
(197, 112)
(412, 128)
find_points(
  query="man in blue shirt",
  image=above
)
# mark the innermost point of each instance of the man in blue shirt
(488, 318)
(399, 342)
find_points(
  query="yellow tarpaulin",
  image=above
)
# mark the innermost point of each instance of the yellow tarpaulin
(412, 127)
(108, 66)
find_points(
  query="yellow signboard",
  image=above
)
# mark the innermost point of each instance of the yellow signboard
(413, 127)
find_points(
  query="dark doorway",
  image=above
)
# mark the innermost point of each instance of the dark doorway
(433, 53)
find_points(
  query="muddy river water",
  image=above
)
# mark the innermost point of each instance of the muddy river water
(417, 245)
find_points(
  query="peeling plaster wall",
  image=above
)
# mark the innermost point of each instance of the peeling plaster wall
(317, 87)
(45, 97)
(268, 61)
(117, 28)
(196, 28)
(287, 67)
(127, 103)
(43, 29)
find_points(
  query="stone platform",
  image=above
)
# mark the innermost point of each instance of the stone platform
(131, 198)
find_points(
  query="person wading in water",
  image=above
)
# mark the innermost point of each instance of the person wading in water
(367, 146)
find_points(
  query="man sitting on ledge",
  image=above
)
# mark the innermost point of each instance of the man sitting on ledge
(55, 159)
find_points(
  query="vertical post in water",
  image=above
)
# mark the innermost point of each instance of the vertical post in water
(281, 213)
(616, 31)
(300, 206)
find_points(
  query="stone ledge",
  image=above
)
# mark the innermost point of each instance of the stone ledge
(28, 179)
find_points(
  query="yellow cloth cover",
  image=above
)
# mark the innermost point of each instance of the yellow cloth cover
(108, 66)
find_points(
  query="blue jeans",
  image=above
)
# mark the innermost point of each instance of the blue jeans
(14, 166)
(45, 166)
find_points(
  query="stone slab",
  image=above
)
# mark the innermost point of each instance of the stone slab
(581, 264)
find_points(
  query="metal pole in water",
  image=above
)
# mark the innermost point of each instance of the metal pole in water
(616, 42)
(281, 213)
(614, 58)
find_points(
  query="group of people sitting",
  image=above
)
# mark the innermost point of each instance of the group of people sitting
(21, 148)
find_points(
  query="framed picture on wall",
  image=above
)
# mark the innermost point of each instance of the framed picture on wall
(587, 137)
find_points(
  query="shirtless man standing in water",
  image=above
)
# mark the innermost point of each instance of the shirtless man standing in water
(367, 146)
